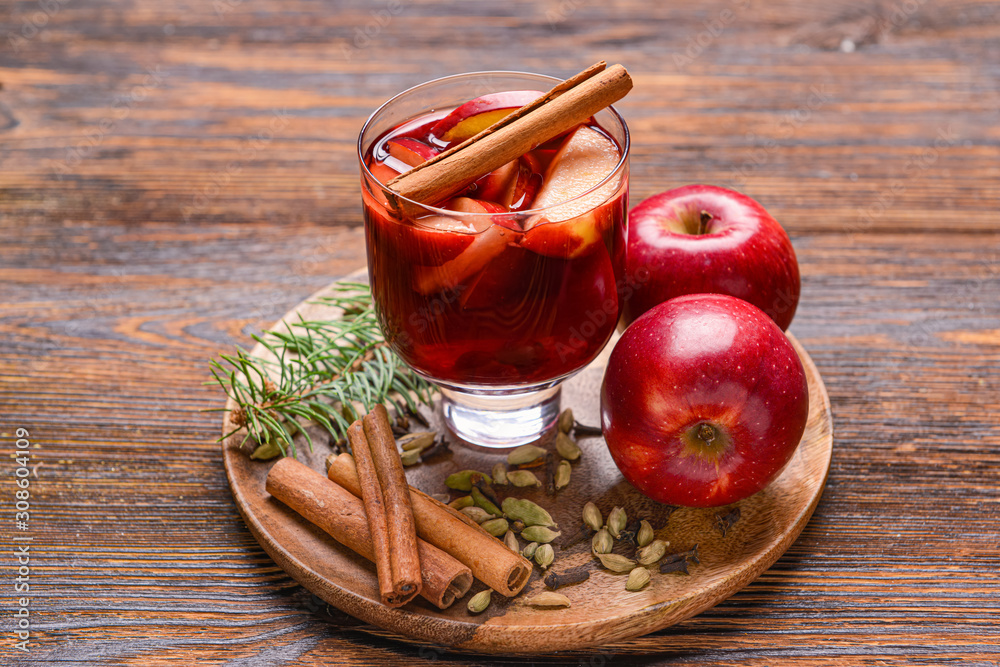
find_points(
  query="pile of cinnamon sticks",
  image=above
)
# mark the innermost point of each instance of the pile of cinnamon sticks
(420, 546)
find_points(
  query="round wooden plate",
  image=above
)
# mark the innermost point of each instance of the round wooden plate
(602, 611)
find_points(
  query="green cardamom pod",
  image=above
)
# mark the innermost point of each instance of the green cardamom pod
(477, 514)
(527, 511)
(480, 601)
(495, 527)
(462, 480)
(529, 551)
(482, 501)
(418, 441)
(500, 474)
(645, 534)
(617, 522)
(563, 472)
(652, 553)
(410, 457)
(540, 534)
(592, 516)
(510, 539)
(565, 421)
(545, 555)
(602, 542)
(521, 478)
(549, 599)
(566, 447)
(462, 501)
(616, 563)
(525, 454)
(266, 451)
(637, 578)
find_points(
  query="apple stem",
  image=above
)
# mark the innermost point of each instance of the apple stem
(707, 433)
(706, 218)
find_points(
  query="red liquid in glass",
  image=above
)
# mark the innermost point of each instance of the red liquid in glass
(491, 304)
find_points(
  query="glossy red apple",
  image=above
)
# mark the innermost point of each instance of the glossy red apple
(476, 115)
(704, 401)
(703, 238)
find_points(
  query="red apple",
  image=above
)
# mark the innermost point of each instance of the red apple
(707, 239)
(704, 401)
(476, 115)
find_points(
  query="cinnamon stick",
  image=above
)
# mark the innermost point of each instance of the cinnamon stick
(387, 505)
(488, 558)
(559, 110)
(342, 515)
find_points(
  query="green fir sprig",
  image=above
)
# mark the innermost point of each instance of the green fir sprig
(319, 370)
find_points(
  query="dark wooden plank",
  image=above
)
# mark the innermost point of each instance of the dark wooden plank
(123, 273)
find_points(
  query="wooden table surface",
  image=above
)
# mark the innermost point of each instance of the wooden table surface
(175, 175)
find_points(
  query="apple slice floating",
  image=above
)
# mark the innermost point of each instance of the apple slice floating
(482, 249)
(476, 115)
(572, 229)
(410, 151)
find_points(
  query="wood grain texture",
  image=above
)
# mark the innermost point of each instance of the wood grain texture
(181, 227)
(602, 611)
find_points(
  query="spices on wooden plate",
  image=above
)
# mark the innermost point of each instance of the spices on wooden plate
(602, 542)
(462, 480)
(548, 599)
(522, 478)
(528, 512)
(637, 578)
(562, 476)
(524, 455)
(592, 516)
(616, 562)
(545, 555)
(617, 521)
(480, 601)
(651, 553)
(567, 448)
(645, 534)
(565, 421)
(540, 534)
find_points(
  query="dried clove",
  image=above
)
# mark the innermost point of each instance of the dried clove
(556, 580)
(723, 522)
(584, 431)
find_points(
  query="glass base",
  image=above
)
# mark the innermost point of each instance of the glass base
(498, 421)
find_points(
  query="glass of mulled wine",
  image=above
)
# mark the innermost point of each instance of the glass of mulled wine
(503, 291)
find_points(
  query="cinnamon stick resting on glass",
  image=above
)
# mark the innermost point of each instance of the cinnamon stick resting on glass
(564, 107)
(341, 514)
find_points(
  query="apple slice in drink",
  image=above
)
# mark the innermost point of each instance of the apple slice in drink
(576, 227)
(410, 151)
(476, 115)
(495, 185)
(482, 249)
(482, 241)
